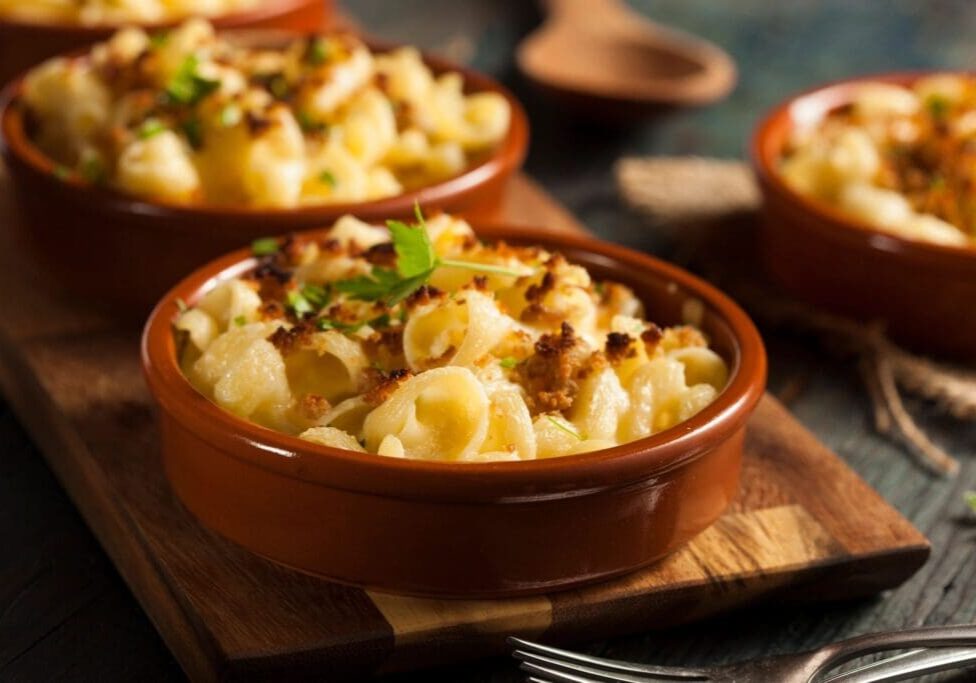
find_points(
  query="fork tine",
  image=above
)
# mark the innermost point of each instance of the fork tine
(666, 672)
(551, 675)
(550, 665)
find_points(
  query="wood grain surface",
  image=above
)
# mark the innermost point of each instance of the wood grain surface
(803, 519)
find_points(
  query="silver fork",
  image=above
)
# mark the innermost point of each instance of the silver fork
(934, 649)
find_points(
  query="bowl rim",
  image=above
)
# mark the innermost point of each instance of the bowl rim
(623, 465)
(264, 10)
(501, 161)
(764, 156)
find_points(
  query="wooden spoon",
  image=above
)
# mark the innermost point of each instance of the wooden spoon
(602, 54)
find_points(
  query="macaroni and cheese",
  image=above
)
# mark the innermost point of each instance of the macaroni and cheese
(187, 117)
(902, 159)
(101, 12)
(420, 341)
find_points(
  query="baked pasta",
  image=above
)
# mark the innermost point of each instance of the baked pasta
(187, 117)
(420, 341)
(101, 12)
(902, 159)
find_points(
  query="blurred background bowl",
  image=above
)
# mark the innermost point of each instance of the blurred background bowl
(922, 292)
(24, 44)
(121, 252)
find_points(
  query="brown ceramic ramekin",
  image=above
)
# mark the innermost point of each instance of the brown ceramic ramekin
(25, 43)
(452, 529)
(122, 252)
(921, 291)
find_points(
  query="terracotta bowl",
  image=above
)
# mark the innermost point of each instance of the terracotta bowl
(443, 529)
(921, 291)
(24, 44)
(123, 252)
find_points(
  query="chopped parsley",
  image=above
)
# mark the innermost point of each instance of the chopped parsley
(316, 295)
(150, 127)
(508, 362)
(159, 39)
(187, 86)
(416, 262)
(324, 324)
(327, 178)
(318, 51)
(93, 170)
(194, 132)
(240, 320)
(379, 321)
(61, 172)
(275, 83)
(264, 246)
(309, 124)
(298, 303)
(938, 106)
(563, 425)
(970, 497)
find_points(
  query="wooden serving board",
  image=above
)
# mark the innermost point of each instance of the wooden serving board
(804, 525)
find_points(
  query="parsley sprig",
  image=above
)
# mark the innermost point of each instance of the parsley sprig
(187, 86)
(565, 426)
(416, 262)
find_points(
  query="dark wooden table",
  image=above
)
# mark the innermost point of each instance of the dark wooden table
(66, 615)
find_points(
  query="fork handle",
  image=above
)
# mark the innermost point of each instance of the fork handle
(909, 665)
(930, 636)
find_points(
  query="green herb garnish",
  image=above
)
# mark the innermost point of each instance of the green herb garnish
(937, 182)
(508, 362)
(318, 51)
(159, 39)
(416, 262)
(230, 115)
(560, 424)
(150, 127)
(970, 497)
(278, 86)
(327, 178)
(309, 124)
(93, 170)
(316, 295)
(61, 172)
(240, 320)
(265, 246)
(194, 132)
(938, 106)
(328, 324)
(298, 303)
(380, 321)
(187, 86)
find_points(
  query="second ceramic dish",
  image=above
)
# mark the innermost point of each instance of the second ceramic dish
(919, 290)
(90, 239)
